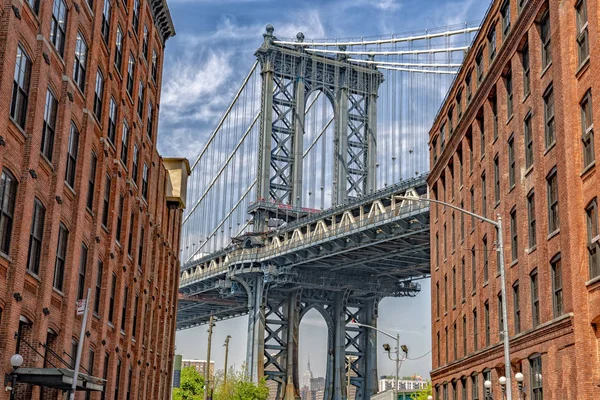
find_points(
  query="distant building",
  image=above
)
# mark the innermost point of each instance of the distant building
(411, 385)
(199, 365)
(317, 383)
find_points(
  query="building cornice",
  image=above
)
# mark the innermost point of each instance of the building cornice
(495, 70)
(162, 19)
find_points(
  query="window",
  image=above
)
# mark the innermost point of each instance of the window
(487, 376)
(463, 384)
(486, 320)
(545, 37)
(535, 365)
(459, 103)
(119, 219)
(505, 12)
(500, 318)
(509, 94)
(145, 182)
(480, 123)
(549, 117)
(512, 168)
(73, 354)
(453, 237)
(150, 123)
(135, 314)
(445, 242)
(72, 156)
(535, 300)
(119, 49)
(136, 160)
(474, 387)
(90, 368)
(437, 299)
(516, 308)
(496, 179)
(454, 286)
(434, 149)
(140, 105)
(145, 43)
(82, 268)
(124, 308)
(591, 213)
(118, 379)
(465, 335)
(111, 304)
(587, 129)
(473, 270)
(79, 65)
(35, 5)
(557, 288)
(136, 16)
(531, 220)
(58, 26)
(446, 340)
(99, 95)
(463, 280)
(485, 260)
(61, 254)
(470, 145)
(112, 120)
(442, 137)
(462, 222)
(450, 124)
(105, 373)
(491, 37)
(439, 350)
(454, 390)
(98, 286)
(528, 141)
(130, 239)
(494, 106)
(129, 379)
(521, 4)
(552, 188)
(20, 91)
(141, 248)
(526, 70)
(582, 31)
(35, 237)
(130, 73)
(49, 127)
(483, 196)
(479, 65)
(92, 181)
(154, 65)
(106, 204)
(106, 21)
(475, 328)
(472, 208)
(514, 242)
(124, 142)
(8, 194)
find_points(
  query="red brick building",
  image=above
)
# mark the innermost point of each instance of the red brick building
(86, 200)
(515, 138)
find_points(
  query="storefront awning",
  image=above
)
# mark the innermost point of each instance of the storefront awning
(58, 378)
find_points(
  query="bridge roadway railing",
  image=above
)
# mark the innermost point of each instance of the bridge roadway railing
(219, 266)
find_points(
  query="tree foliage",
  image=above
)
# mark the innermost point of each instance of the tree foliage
(192, 385)
(423, 393)
(239, 387)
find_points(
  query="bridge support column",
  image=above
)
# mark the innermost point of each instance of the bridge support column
(292, 387)
(299, 119)
(339, 381)
(370, 350)
(255, 350)
(340, 173)
(372, 142)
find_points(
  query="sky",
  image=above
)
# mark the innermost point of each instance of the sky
(203, 67)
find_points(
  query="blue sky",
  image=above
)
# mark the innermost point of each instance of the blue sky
(203, 67)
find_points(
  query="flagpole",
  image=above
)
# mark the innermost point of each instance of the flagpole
(80, 346)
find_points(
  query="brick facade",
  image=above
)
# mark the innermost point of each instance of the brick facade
(553, 296)
(145, 261)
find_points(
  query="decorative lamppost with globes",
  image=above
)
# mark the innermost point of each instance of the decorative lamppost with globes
(429, 397)
(520, 388)
(502, 381)
(498, 225)
(16, 360)
(488, 390)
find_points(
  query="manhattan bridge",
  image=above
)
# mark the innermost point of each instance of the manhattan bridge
(295, 200)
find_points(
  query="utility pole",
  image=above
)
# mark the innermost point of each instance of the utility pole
(207, 366)
(80, 346)
(226, 355)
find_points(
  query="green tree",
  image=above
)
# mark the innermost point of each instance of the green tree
(192, 385)
(423, 393)
(239, 387)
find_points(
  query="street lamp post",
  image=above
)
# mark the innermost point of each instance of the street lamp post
(387, 348)
(519, 378)
(502, 381)
(16, 360)
(500, 249)
(488, 390)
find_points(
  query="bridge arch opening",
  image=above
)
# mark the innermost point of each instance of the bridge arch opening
(318, 150)
(313, 354)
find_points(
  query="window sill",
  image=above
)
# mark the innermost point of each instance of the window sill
(513, 263)
(89, 211)
(545, 69)
(497, 204)
(59, 292)
(592, 281)
(454, 307)
(70, 189)
(19, 128)
(474, 292)
(587, 169)
(96, 315)
(445, 313)
(584, 66)
(33, 275)
(551, 235)
(550, 147)
(485, 284)
(526, 96)
(105, 228)
(531, 249)
(512, 188)
(48, 162)
(528, 170)
(510, 118)
(5, 256)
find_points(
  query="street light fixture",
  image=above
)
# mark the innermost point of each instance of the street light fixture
(429, 397)
(16, 360)
(488, 389)
(502, 381)
(498, 225)
(519, 378)
(388, 349)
